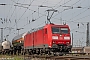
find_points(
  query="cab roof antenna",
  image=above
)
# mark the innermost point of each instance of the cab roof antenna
(64, 23)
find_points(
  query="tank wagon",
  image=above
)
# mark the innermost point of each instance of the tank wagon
(47, 39)
(18, 43)
(6, 47)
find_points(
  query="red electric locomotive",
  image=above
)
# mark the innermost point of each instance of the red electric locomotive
(50, 38)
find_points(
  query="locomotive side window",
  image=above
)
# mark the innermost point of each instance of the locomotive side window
(45, 31)
(64, 30)
(55, 30)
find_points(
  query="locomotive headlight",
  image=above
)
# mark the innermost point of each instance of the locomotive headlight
(54, 37)
(66, 38)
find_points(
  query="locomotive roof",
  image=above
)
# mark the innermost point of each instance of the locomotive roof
(19, 36)
(35, 29)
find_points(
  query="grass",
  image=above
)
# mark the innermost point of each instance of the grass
(13, 57)
(18, 58)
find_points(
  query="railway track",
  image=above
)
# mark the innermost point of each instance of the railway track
(64, 57)
(73, 56)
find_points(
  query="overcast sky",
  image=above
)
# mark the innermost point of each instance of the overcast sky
(20, 13)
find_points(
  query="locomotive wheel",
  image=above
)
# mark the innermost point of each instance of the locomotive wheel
(38, 51)
(61, 54)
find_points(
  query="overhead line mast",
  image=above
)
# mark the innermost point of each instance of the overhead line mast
(1, 34)
(87, 39)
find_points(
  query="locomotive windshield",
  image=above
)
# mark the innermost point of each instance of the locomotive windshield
(64, 30)
(55, 30)
(59, 30)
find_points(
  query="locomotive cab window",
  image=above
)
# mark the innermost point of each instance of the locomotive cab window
(58, 30)
(64, 30)
(55, 30)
